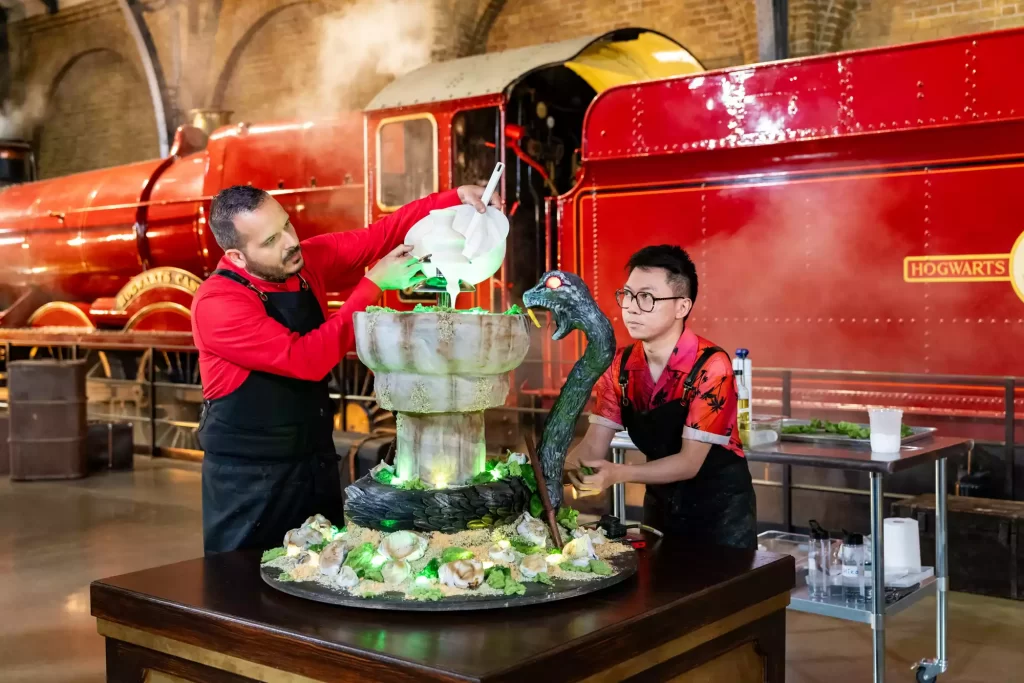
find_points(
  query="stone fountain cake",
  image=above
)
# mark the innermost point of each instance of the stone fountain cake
(444, 527)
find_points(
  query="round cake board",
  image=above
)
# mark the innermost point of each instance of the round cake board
(624, 564)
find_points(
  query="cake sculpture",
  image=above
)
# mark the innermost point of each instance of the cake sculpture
(444, 526)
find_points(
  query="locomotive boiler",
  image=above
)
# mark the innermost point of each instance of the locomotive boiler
(126, 247)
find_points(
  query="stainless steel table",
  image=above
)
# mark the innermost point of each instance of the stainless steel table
(935, 450)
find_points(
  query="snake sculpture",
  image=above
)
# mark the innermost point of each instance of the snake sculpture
(568, 298)
(375, 505)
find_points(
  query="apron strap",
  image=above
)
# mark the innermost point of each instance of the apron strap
(232, 275)
(624, 376)
(690, 383)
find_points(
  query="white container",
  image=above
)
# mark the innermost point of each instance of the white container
(885, 429)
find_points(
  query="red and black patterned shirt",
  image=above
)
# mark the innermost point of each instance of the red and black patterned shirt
(712, 415)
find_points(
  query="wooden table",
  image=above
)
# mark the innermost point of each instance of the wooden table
(690, 613)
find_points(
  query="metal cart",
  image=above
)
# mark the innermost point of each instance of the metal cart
(933, 450)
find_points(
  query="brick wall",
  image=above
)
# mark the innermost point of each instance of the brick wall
(265, 53)
(100, 115)
(718, 32)
(83, 65)
(877, 22)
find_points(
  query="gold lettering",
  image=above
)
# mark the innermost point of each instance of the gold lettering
(1000, 267)
(154, 279)
(916, 269)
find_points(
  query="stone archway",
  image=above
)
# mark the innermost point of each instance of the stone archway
(272, 71)
(98, 114)
(307, 59)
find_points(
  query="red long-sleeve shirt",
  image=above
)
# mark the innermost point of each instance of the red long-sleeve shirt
(235, 335)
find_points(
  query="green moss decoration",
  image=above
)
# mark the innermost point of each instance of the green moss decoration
(272, 554)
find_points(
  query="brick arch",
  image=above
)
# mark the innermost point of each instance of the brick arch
(98, 113)
(240, 46)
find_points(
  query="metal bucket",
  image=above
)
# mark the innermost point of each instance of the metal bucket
(47, 419)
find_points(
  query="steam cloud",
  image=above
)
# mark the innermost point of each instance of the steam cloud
(18, 120)
(366, 45)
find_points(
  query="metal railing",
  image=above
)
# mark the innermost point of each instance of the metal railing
(781, 381)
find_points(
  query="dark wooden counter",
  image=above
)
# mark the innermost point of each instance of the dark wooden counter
(710, 611)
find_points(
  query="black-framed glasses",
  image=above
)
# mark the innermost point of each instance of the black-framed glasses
(644, 300)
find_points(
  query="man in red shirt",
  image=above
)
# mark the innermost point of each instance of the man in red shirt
(675, 394)
(266, 345)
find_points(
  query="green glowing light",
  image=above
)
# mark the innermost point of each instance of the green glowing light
(389, 523)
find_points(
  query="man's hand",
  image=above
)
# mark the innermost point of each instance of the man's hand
(397, 270)
(605, 474)
(473, 195)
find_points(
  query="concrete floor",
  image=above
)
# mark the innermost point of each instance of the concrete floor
(57, 537)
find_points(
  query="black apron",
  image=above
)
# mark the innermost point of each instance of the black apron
(269, 458)
(717, 505)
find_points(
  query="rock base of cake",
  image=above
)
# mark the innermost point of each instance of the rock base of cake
(373, 505)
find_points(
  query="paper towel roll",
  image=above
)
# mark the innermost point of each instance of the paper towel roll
(902, 547)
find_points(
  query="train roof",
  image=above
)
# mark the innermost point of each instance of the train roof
(614, 58)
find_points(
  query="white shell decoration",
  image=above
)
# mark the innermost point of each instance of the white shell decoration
(502, 552)
(403, 545)
(308, 567)
(396, 572)
(346, 578)
(533, 530)
(533, 565)
(580, 551)
(332, 557)
(518, 457)
(321, 524)
(597, 536)
(461, 573)
(303, 537)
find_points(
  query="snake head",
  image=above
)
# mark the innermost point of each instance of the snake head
(567, 297)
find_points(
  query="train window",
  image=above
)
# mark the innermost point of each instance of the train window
(406, 160)
(474, 133)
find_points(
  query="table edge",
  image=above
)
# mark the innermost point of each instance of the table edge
(769, 579)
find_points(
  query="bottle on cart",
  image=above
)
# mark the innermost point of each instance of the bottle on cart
(741, 370)
(819, 560)
(853, 569)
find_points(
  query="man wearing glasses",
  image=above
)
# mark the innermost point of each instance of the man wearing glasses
(675, 394)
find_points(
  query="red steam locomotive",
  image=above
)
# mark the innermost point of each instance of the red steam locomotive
(850, 213)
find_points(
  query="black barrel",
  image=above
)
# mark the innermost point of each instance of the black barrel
(5, 451)
(48, 419)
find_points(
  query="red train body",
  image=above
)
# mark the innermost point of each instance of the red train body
(857, 211)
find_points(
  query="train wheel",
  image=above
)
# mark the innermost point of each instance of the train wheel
(179, 398)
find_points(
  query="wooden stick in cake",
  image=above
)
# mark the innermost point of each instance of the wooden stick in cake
(542, 491)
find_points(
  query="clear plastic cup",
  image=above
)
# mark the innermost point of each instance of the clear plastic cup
(885, 429)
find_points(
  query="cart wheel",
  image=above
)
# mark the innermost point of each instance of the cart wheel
(923, 676)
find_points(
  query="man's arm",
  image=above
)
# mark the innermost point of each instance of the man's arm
(233, 324)
(342, 256)
(595, 445)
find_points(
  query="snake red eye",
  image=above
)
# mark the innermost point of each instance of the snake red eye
(553, 282)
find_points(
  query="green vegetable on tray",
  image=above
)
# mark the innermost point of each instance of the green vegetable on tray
(272, 554)
(454, 553)
(426, 593)
(848, 429)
